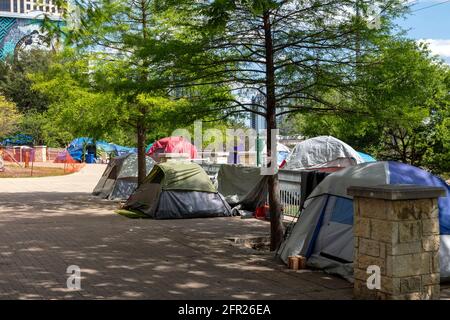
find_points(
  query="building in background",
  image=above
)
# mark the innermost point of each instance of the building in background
(258, 122)
(20, 25)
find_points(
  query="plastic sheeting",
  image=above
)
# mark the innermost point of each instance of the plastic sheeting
(367, 157)
(322, 152)
(76, 148)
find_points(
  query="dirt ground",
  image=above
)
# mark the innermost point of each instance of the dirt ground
(15, 171)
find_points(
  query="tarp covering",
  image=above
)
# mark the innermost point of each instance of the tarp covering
(181, 176)
(178, 190)
(320, 152)
(18, 140)
(78, 145)
(324, 231)
(172, 145)
(235, 181)
(242, 185)
(367, 157)
(119, 179)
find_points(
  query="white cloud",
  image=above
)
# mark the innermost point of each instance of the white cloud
(439, 47)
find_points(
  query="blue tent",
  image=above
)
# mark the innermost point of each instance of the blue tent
(366, 157)
(324, 232)
(80, 145)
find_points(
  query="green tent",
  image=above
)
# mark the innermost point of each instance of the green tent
(181, 176)
(176, 190)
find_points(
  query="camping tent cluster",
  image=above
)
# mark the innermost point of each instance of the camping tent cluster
(176, 190)
(324, 230)
(170, 190)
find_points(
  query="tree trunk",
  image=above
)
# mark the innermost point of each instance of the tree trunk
(276, 221)
(141, 127)
(141, 138)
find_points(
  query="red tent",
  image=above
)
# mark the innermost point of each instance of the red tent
(172, 145)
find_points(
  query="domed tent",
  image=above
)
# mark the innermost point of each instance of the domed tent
(322, 152)
(324, 231)
(178, 191)
(119, 179)
(172, 145)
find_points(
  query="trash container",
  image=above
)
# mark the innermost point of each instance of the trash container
(90, 158)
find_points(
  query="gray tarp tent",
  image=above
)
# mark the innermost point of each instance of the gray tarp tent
(243, 186)
(178, 191)
(322, 152)
(324, 231)
(119, 179)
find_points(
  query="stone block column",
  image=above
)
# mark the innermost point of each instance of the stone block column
(396, 232)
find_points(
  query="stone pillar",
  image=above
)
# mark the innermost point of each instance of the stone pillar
(40, 154)
(396, 229)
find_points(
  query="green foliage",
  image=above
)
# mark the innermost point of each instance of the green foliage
(15, 84)
(9, 117)
(401, 113)
(75, 107)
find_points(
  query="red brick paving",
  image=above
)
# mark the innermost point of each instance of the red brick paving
(48, 224)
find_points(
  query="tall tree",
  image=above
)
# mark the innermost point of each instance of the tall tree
(15, 84)
(111, 35)
(404, 108)
(9, 117)
(289, 52)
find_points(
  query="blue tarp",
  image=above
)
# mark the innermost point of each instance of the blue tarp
(18, 140)
(76, 148)
(366, 157)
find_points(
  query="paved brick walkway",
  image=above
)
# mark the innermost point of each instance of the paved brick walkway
(47, 224)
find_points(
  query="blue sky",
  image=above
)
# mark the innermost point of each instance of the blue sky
(430, 24)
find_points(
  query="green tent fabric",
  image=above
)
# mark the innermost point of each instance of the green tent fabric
(236, 181)
(178, 190)
(243, 186)
(181, 177)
